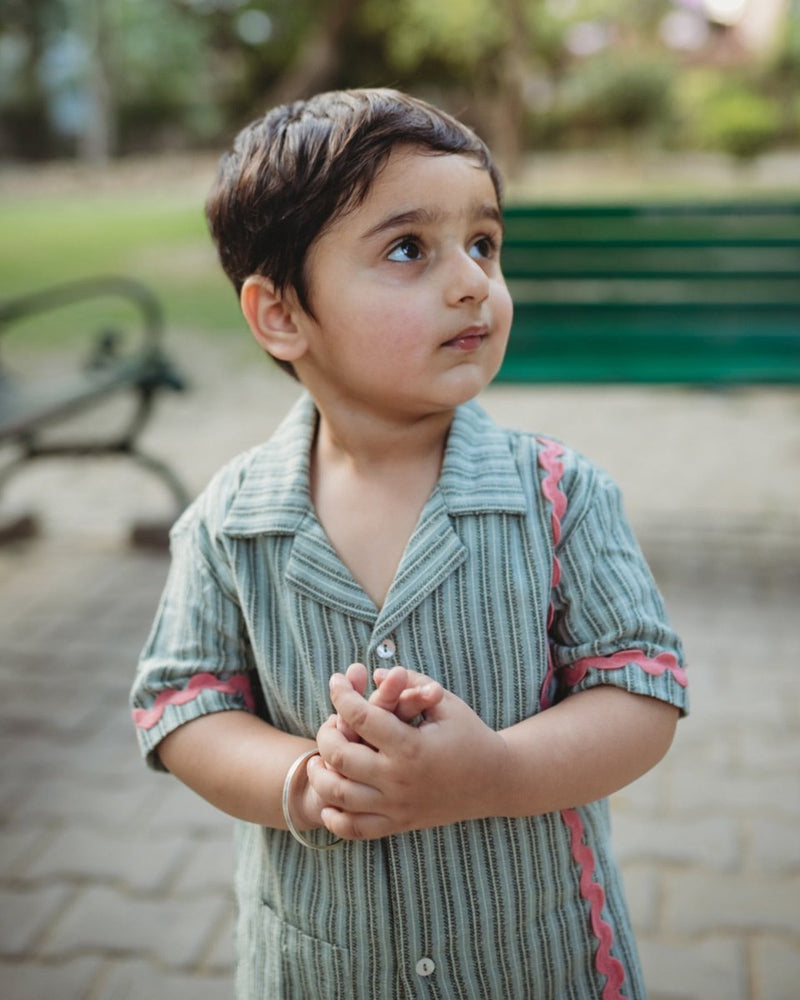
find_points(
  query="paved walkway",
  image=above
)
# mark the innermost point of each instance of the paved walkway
(114, 882)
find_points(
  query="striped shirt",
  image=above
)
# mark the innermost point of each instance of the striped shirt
(521, 584)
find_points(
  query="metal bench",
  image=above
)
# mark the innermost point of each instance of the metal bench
(118, 361)
(704, 294)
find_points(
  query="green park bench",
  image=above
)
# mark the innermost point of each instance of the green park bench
(39, 401)
(702, 294)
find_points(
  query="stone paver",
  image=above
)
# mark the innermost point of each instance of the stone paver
(141, 981)
(713, 969)
(175, 931)
(71, 980)
(115, 882)
(25, 915)
(700, 902)
(76, 854)
(776, 969)
(712, 843)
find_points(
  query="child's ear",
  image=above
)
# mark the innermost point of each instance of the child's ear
(271, 319)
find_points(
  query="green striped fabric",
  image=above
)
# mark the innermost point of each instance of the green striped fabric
(484, 909)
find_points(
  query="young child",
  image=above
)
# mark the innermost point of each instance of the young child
(446, 834)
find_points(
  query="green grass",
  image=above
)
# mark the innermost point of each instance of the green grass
(162, 241)
(154, 231)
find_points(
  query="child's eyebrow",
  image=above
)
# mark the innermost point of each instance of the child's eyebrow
(428, 217)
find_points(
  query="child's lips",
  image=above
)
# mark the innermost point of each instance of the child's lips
(469, 339)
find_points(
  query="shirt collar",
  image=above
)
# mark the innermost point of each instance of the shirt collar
(479, 473)
(274, 493)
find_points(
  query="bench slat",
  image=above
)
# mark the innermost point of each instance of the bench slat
(24, 408)
(690, 343)
(686, 293)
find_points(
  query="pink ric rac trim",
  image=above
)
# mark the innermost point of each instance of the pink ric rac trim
(583, 857)
(654, 666)
(146, 718)
(549, 459)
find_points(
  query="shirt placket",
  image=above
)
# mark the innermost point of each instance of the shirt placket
(410, 920)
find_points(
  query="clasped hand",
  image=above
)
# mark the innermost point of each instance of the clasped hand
(377, 774)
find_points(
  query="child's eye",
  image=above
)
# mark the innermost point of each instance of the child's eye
(484, 248)
(407, 249)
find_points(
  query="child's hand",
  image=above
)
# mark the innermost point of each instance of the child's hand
(399, 777)
(403, 692)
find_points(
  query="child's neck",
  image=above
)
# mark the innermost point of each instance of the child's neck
(370, 442)
(369, 490)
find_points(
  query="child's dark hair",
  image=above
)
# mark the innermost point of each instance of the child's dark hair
(294, 172)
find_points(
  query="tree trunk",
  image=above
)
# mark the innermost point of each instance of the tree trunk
(96, 141)
(317, 60)
(514, 71)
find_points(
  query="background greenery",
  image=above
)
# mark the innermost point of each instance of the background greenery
(109, 83)
(161, 242)
(109, 77)
(144, 219)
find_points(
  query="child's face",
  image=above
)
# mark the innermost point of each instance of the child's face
(412, 311)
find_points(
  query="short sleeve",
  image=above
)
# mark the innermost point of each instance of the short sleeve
(609, 624)
(197, 659)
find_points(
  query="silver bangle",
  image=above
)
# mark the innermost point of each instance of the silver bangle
(287, 787)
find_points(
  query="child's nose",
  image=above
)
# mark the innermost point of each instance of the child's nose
(467, 280)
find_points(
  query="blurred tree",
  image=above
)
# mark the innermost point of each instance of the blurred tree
(508, 57)
(96, 77)
(484, 49)
(86, 75)
(97, 136)
(24, 30)
(162, 82)
(317, 60)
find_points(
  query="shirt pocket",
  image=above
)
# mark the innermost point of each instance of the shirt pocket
(296, 966)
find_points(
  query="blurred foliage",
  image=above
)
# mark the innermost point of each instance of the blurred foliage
(106, 77)
(717, 112)
(458, 36)
(616, 94)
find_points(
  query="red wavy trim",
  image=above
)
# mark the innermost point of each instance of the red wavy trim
(654, 666)
(146, 718)
(549, 459)
(593, 893)
(583, 856)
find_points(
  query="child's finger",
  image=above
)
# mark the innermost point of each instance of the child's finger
(391, 685)
(416, 701)
(332, 788)
(356, 673)
(375, 726)
(418, 694)
(351, 759)
(355, 826)
(413, 678)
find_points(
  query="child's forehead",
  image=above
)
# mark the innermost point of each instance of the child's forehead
(426, 186)
(405, 162)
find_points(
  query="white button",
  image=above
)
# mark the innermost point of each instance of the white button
(386, 649)
(426, 967)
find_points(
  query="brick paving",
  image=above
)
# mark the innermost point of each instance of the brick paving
(115, 882)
